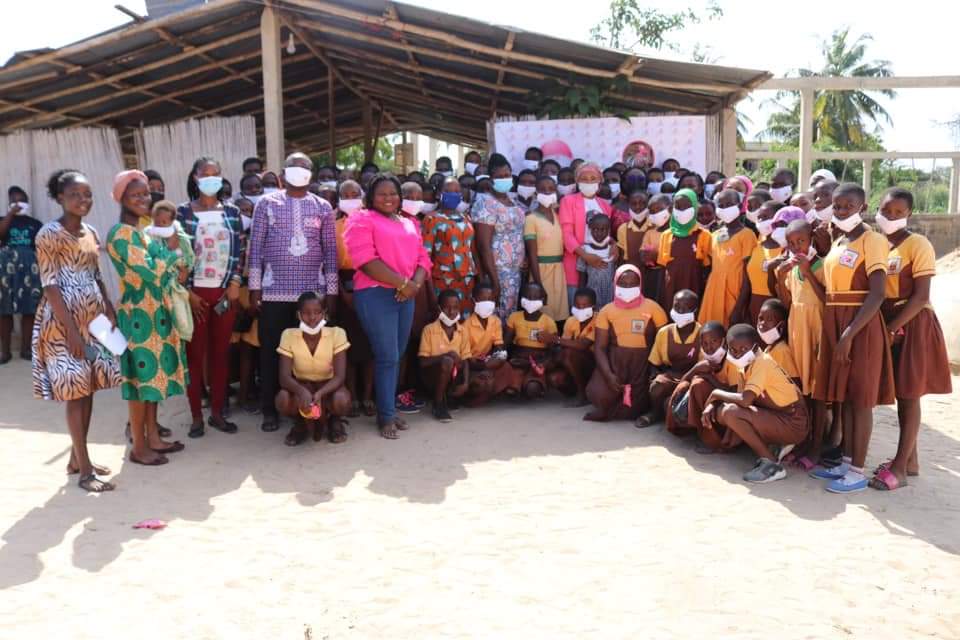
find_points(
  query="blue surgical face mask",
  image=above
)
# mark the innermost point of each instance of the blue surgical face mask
(503, 185)
(210, 185)
(450, 200)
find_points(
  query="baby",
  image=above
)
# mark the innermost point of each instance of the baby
(597, 265)
(164, 226)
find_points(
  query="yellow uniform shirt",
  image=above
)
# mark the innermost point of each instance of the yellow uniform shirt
(573, 331)
(758, 268)
(840, 265)
(526, 331)
(650, 238)
(764, 377)
(316, 366)
(434, 341)
(483, 340)
(631, 326)
(784, 357)
(659, 354)
(914, 257)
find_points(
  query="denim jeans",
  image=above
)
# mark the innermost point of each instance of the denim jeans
(387, 325)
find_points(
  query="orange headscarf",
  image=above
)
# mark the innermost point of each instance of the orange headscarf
(123, 179)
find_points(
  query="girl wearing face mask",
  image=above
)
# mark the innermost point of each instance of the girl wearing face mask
(529, 335)
(448, 236)
(920, 364)
(566, 183)
(576, 348)
(675, 350)
(251, 188)
(575, 211)
(154, 364)
(491, 374)
(20, 286)
(625, 329)
(773, 330)
(543, 238)
(743, 186)
(270, 182)
(217, 233)
(527, 189)
(730, 247)
(444, 356)
(758, 273)
(312, 375)
(632, 237)
(855, 366)
(499, 218)
(821, 216)
(782, 186)
(684, 250)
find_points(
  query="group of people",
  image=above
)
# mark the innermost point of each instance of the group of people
(739, 314)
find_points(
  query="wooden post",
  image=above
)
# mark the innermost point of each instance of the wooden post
(867, 176)
(331, 125)
(954, 201)
(431, 155)
(461, 151)
(367, 132)
(806, 137)
(270, 51)
(728, 141)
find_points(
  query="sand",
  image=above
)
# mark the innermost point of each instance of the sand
(515, 522)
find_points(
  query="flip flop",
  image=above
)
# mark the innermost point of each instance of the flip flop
(84, 483)
(174, 447)
(156, 463)
(296, 436)
(886, 465)
(226, 427)
(886, 480)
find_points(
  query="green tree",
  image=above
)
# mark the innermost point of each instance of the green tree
(839, 116)
(629, 25)
(352, 157)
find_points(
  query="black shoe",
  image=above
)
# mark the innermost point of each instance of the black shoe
(269, 424)
(196, 430)
(442, 414)
(226, 427)
(163, 431)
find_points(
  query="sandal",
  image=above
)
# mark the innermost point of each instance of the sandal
(296, 436)
(886, 465)
(226, 427)
(400, 424)
(175, 447)
(269, 424)
(642, 422)
(161, 430)
(886, 480)
(336, 430)
(93, 484)
(156, 463)
(196, 430)
(389, 431)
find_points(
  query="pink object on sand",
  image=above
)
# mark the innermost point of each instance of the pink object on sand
(151, 523)
(627, 395)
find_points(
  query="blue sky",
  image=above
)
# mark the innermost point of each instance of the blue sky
(751, 33)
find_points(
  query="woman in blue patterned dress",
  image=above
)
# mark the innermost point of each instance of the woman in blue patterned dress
(19, 278)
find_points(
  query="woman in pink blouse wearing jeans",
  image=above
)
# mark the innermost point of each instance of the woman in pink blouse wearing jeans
(392, 264)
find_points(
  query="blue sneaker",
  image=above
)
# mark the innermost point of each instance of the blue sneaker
(853, 482)
(406, 403)
(830, 473)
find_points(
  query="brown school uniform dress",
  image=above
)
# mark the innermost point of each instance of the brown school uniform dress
(675, 354)
(867, 380)
(920, 364)
(631, 332)
(779, 414)
(684, 260)
(805, 323)
(574, 330)
(526, 345)
(725, 376)
(483, 341)
(757, 272)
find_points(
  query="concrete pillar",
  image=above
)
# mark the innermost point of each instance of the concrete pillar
(954, 202)
(459, 159)
(431, 155)
(868, 177)
(271, 52)
(728, 141)
(806, 137)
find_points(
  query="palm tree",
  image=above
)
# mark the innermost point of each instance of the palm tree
(839, 116)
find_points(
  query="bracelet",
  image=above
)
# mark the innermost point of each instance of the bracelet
(403, 286)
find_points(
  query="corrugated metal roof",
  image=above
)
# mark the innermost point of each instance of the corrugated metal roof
(432, 72)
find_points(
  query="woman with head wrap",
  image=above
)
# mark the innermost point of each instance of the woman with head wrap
(155, 363)
(575, 211)
(821, 174)
(684, 250)
(625, 329)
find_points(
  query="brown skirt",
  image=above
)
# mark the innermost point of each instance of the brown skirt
(867, 380)
(662, 388)
(920, 364)
(756, 301)
(631, 367)
(681, 273)
(789, 425)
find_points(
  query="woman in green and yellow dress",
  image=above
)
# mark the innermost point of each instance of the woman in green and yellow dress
(154, 365)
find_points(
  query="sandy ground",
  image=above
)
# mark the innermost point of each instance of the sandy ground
(519, 521)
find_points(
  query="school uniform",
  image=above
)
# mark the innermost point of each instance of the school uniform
(920, 364)
(313, 368)
(526, 346)
(677, 355)
(434, 341)
(727, 254)
(483, 341)
(549, 238)
(757, 272)
(782, 354)
(631, 239)
(867, 380)
(698, 388)
(684, 261)
(805, 324)
(631, 331)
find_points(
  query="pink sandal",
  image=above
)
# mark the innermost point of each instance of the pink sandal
(886, 480)
(804, 463)
(886, 465)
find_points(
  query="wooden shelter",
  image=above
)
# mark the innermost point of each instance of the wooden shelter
(321, 74)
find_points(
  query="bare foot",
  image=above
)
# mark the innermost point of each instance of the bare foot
(98, 469)
(336, 431)
(147, 457)
(93, 484)
(389, 431)
(400, 424)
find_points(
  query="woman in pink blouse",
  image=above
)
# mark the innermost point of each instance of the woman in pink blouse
(576, 210)
(387, 251)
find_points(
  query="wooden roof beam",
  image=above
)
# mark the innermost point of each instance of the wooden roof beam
(507, 46)
(392, 13)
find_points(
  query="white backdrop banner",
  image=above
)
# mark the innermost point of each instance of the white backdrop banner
(643, 141)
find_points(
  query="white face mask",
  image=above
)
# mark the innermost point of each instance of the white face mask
(717, 356)
(412, 207)
(670, 176)
(780, 194)
(547, 199)
(312, 331)
(653, 188)
(525, 191)
(728, 214)
(889, 227)
(296, 176)
(770, 335)
(533, 165)
(329, 184)
(350, 205)
(246, 221)
(683, 216)
(160, 232)
(779, 236)
(447, 320)
(708, 190)
(531, 306)
(588, 189)
(754, 216)
(848, 224)
(824, 215)
(566, 189)
(582, 315)
(485, 309)
(614, 189)
(600, 243)
(764, 227)
(254, 199)
(627, 294)
(470, 167)
(268, 190)
(428, 207)
(743, 361)
(446, 174)
(682, 319)
(659, 219)
(24, 208)
(639, 217)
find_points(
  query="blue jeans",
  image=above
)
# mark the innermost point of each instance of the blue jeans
(387, 324)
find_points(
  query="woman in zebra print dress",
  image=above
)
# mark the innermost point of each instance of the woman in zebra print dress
(67, 363)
